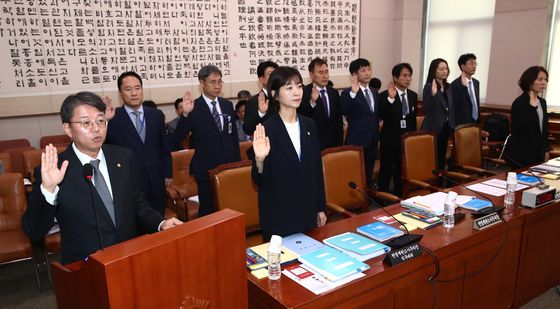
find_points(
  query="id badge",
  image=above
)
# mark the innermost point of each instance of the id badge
(403, 124)
(229, 127)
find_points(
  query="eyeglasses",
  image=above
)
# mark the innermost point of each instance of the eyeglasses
(215, 82)
(88, 124)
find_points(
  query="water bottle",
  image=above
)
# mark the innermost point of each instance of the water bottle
(511, 185)
(274, 252)
(449, 210)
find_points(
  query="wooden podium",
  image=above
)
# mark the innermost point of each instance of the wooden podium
(200, 264)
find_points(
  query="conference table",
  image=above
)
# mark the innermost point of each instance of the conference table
(503, 266)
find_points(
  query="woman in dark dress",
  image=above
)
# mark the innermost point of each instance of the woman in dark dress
(287, 165)
(437, 103)
(528, 143)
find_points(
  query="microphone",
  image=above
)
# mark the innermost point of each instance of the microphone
(479, 213)
(400, 241)
(88, 175)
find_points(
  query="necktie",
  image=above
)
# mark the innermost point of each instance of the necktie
(102, 189)
(139, 125)
(368, 99)
(473, 101)
(216, 116)
(404, 103)
(325, 102)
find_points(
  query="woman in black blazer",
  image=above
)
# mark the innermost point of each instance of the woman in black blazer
(528, 143)
(287, 165)
(437, 104)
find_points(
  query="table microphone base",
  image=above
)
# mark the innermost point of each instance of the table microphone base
(486, 211)
(404, 240)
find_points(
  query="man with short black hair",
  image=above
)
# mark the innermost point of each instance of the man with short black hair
(142, 130)
(466, 92)
(211, 120)
(322, 103)
(257, 109)
(61, 190)
(397, 109)
(360, 106)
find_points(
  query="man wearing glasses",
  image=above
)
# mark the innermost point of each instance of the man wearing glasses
(214, 132)
(142, 130)
(62, 189)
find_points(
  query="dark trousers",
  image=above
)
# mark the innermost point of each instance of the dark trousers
(369, 160)
(390, 167)
(206, 206)
(441, 142)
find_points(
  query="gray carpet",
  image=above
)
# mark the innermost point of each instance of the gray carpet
(18, 289)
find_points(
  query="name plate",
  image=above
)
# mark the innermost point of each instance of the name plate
(403, 254)
(486, 221)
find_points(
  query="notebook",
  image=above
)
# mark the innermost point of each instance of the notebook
(301, 244)
(332, 264)
(380, 231)
(357, 246)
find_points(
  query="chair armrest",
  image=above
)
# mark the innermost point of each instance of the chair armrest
(421, 184)
(383, 195)
(339, 210)
(172, 192)
(495, 160)
(554, 154)
(461, 176)
(477, 170)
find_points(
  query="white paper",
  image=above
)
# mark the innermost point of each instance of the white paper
(482, 188)
(317, 283)
(499, 183)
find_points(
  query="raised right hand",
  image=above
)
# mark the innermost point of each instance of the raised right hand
(263, 103)
(110, 110)
(261, 146)
(392, 90)
(51, 175)
(187, 104)
(314, 94)
(354, 83)
(434, 87)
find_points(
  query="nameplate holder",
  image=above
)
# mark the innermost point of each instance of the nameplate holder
(403, 254)
(486, 221)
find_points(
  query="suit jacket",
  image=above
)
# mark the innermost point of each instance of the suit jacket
(153, 156)
(290, 192)
(527, 144)
(436, 110)
(363, 125)
(462, 105)
(329, 127)
(391, 114)
(74, 210)
(252, 118)
(212, 146)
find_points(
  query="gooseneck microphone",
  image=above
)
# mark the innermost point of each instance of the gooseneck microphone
(400, 241)
(542, 185)
(88, 175)
(479, 213)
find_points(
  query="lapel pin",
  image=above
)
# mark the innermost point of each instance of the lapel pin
(308, 133)
(118, 165)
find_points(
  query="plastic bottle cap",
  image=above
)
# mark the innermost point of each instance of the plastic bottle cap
(511, 177)
(275, 245)
(452, 195)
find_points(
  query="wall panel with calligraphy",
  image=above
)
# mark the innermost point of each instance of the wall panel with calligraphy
(51, 48)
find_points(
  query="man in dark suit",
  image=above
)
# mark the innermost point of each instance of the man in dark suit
(211, 120)
(360, 106)
(142, 130)
(466, 92)
(322, 103)
(256, 110)
(61, 191)
(397, 109)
